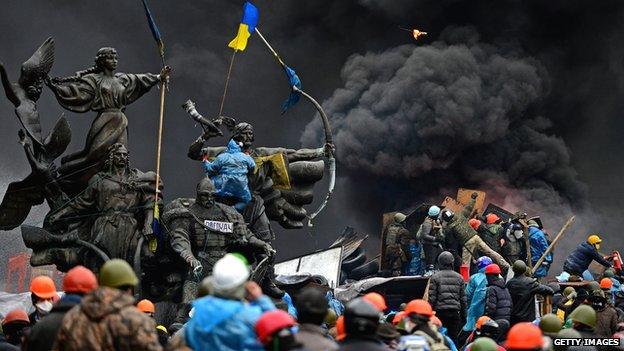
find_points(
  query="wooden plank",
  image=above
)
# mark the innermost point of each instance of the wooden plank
(452, 204)
(463, 197)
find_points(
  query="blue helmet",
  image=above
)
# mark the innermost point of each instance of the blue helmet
(434, 211)
(483, 262)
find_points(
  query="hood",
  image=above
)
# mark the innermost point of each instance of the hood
(496, 281)
(105, 301)
(210, 311)
(233, 147)
(67, 302)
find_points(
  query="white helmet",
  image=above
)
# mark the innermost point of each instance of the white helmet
(228, 273)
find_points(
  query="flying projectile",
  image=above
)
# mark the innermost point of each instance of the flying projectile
(415, 32)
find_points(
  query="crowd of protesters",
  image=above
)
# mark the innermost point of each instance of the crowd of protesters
(495, 308)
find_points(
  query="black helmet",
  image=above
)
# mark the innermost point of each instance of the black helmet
(446, 259)
(361, 318)
(489, 329)
(311, 306)
(447, 215)
(519, 267)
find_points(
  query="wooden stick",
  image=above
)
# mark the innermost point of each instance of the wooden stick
(552, 245)
(159, 145)
(227, 82)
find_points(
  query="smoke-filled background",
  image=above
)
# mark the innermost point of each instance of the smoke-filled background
(516, 98)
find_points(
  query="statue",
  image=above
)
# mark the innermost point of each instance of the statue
(202, 231)
(102, 90)
(121, 201)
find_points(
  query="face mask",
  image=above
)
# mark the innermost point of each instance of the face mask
(597, 246)
(44, 307)
(518, 234)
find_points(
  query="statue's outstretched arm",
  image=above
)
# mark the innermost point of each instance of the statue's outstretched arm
(291, 154)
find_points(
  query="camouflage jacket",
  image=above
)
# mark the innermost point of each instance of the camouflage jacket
(459, 228)
(107, 319)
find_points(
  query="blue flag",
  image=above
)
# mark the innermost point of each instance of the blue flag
(294, 96)
(154, 29)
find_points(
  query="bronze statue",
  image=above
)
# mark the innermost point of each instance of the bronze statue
(201, 231)
(102, 90)
(120, 201)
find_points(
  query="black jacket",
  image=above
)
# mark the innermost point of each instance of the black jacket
(353, 344)
(6, 346)
(498, 302)
(43, 334)
(447, 291)
(580, 259)
(522, 290)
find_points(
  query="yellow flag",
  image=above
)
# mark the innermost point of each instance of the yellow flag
(240, 42)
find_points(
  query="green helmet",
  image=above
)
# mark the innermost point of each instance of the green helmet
(593, 285)
(484, 344)
(585, 315)
(117, 273)
(609, 273)
(568, 290)
(519, 267)
(550, 323)
(566, 334)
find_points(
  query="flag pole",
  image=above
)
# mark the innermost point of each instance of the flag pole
(279, 59)
(227, 82)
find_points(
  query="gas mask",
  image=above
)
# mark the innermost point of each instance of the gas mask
(518, 234)
(43, 307)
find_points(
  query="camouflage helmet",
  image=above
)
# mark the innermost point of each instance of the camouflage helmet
(585, 315)
(593, 286)
(399, 217)
(568, 290)
(550, 323)
(519, 267)
(609, 273)
(484, 344)
(206, 186)
(117, 273)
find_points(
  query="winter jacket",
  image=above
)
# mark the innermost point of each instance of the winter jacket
(43, 334)
(498, 302)
(539, 244)
(476, 292)
(107, 319)
(6, 346)
(606, 322)
(522, 290)
(225, 325)
(313, 339)
(447, 339)
(458, 228)
(447, 291)
(580, 259)
(229, 173)
(362, 344)
(491, 234)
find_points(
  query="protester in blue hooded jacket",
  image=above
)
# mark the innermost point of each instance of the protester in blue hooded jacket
(476, 292)
(539, 244)
(229, 173)
(225, 321)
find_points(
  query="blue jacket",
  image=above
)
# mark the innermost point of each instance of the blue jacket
(580, 259)
(225, 325)
(229, 172)
(476, 292)
(449, 341)
(539, 244)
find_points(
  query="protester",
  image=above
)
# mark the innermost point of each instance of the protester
(447, 295)
(550, 325)
(78, 282)
(15, 327)
(361, 320)
(146, 306)
(430, 236)
(485, 327)
(376, 300)
(524, 337)
(42, 294)
(584, 321)
(606, 315)
(484, 344)
(539, 244)
(476, 293)
(224, 321)
(163, 335)
(493, 232)
(522, 290)
(312, 308)
(107, 318)
(274, 332)
(579, 260)
(418, 314)
(389, 335)
(442, 330)
(498, 302)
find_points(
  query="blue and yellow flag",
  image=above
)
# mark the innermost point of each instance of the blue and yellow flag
(154, 30)
(294, 96)
(247, 26)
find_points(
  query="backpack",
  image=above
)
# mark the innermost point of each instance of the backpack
(434, 345)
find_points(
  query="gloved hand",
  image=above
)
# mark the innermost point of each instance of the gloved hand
(474, 195)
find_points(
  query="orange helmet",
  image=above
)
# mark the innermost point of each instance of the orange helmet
(491, 218)
(43, 287)
(421, 307)
(482, 320)
(492, 269)
(340, 329)
(436, 321)
(270, 323)
(606, 283)
(398, 317)
(376, 300)
(524, 336)
(474, 223)
(79, 280)
(17, 315)
(146, 306)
